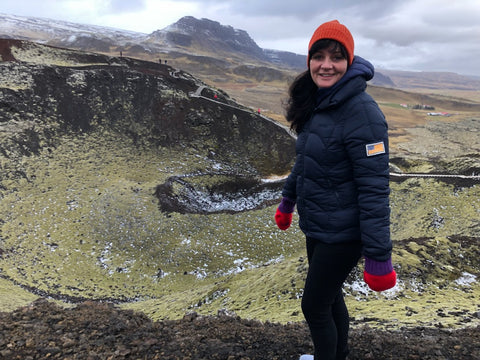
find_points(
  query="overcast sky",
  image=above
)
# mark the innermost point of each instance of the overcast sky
(428, 35)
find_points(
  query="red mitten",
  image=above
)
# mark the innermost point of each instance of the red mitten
(283, 220)
(379, 275)
(284, 214)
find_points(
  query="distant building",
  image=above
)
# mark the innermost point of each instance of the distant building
(439, 114)
(423, 107)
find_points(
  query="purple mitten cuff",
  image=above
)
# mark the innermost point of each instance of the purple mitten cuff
(286, 205)
(378, 267)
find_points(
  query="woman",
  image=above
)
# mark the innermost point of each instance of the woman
(339, 183)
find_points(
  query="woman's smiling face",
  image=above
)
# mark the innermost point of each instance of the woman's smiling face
(327, 67)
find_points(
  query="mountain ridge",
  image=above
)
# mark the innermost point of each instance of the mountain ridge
(65, 34)
(91, 146)
(181, 39)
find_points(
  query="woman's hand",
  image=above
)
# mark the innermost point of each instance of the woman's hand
(284, 214)
(283, 220)
(379, 275)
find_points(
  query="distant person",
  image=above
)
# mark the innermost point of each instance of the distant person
(339, 183)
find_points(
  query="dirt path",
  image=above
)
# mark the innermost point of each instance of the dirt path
(92, 331)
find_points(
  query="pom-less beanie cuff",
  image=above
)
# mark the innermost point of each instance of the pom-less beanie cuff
(286, 205)
(335, 31)
(378, 267)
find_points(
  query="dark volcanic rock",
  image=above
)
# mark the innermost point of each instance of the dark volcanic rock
(151, 103)
(101, 331)
(220, 193)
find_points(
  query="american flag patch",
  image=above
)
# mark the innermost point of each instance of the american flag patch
(375, 149)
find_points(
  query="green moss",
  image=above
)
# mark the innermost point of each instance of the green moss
(427, 207)
(84, 223)
(270, 292)
(34, 54)
(430, 307)
(87, 224)
(13, 296)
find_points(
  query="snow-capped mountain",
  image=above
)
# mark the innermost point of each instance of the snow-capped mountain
(188, 35)
(42, 29)
(208, 35)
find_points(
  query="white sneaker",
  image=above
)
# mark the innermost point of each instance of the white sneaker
(306, 357)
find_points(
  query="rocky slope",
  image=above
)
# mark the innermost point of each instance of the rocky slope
(165, 135)
(100, 331)
(134, 183)
(84, 93)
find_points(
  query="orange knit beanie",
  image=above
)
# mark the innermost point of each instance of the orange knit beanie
(335, 31)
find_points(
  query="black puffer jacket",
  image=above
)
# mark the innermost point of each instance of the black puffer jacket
(340, 179)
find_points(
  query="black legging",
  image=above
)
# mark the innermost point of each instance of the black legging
(322, 304)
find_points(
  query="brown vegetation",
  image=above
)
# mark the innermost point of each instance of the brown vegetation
(138, 117)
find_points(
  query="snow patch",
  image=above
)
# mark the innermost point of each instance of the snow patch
(466, 279)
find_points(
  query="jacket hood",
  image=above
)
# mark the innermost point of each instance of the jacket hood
(357, 75)
(360, 67)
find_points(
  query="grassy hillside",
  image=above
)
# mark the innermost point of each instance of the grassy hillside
(89, 227)
(79, 218)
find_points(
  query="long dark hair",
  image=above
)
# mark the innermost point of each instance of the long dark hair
(302, 92)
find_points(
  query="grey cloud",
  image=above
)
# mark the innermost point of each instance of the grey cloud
(423, 28)
(123, 6)
(305, 10)
(435, 35)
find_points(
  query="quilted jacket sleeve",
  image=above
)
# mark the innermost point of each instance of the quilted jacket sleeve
(366, 141)
(289, 189)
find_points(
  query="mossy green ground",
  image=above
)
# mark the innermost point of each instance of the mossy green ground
(85, 223)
